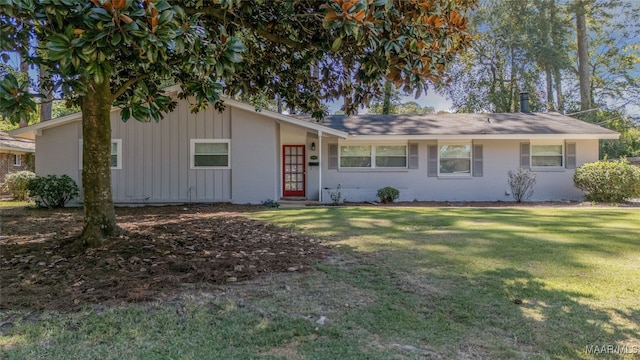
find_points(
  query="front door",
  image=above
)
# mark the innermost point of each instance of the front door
(293, 173)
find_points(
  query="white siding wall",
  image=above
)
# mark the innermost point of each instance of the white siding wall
(254, 157)
(156, 157)
(500, 156)
(156, 163)
(59, 151)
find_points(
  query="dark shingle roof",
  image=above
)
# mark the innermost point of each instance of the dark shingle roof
(463, 124)
(8, 142)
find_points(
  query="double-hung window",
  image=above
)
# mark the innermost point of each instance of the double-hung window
(551, 156)
(210, 154)
(547, 155)
(116, 154)
(17, 160)
(454, 159)
(355, 156)
(373, 156)
(391, 156)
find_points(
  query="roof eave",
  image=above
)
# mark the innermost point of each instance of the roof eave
(30, 132)
(288, 119)
(16, 149)
(485, 137)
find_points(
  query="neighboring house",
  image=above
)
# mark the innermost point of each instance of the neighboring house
(16, 154)
(244, 156)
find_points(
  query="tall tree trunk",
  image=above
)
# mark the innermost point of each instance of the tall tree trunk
(556, 43)
(46, 106)
(583, 57)
(99, 213)
(513, 103)
(388, 93)
(24, 70)
(558, 82)
(550, 102)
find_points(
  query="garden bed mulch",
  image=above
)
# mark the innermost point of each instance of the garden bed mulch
(161, 250)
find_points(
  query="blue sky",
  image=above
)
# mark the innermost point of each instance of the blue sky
(436, 101)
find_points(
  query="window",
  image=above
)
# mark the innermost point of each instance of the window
(17, 160)
(391, 156)
(116, 154)
(210, 154)
(355, 156)
(115, 157)
(546, 155)
(367, 156)
(454, 159)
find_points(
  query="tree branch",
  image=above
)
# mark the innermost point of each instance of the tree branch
(127, 84)
(220, 14)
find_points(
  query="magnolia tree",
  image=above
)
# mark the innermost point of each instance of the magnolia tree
(104, 53)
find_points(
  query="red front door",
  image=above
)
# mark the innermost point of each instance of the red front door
(293, 173)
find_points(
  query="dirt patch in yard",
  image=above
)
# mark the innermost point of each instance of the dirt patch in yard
(161, 250)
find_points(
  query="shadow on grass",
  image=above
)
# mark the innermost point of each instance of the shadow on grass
(484, 282)
(504, 313)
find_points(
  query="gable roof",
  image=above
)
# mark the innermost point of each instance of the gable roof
(466, 125)
(10, 143)
(30, 132)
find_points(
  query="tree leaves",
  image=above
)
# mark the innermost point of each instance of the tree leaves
(249, 46)
(15, 102)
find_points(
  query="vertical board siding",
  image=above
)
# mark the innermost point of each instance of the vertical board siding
(183, 151)
(156, 158)
(157, 138)
(175, 160)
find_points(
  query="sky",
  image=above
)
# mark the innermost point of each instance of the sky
(432, 99)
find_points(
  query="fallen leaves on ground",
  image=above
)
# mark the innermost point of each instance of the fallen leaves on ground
(161, 250)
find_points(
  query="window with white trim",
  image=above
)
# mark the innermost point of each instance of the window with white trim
(115, 158)
(454, 159)
(210, 154)
(391, 156)
(355, 156)
(116, 154)
(17, 160)
(370, 156)
(547, 155)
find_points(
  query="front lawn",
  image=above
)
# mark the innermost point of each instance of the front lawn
(498, 283)
(403, 283)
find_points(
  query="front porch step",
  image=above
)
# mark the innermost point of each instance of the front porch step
(297, 202)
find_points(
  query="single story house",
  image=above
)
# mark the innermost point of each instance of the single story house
(16, 154)
(241, 155)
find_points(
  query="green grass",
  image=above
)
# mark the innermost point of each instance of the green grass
(407, 283)
(13, 203)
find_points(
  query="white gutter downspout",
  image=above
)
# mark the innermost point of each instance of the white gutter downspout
(320, 166)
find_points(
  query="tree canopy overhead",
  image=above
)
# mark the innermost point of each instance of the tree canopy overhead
(122, 52)
(533, 45)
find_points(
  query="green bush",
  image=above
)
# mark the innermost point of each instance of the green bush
(608, 181)
(52, 191)
(388, 194)
(16, 184)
